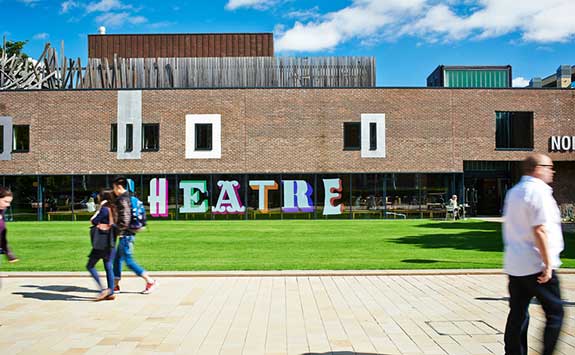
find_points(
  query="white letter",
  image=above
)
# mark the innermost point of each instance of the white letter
(158, 198)
(332, 193)
(263, 186)
(191, 197)
(298, 200)
(555, 143)
(229, 200)
(565, 143)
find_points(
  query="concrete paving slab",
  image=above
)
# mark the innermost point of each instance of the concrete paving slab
(453, 312)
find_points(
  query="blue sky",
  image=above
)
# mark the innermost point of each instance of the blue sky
(408, 38)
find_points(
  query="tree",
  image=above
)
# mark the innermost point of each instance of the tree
(14, 48)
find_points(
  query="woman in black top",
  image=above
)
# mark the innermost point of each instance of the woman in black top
(103, 244)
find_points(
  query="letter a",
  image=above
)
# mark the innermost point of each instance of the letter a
(229, 200)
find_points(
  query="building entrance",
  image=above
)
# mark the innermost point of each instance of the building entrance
(486, 184)
(485, 196)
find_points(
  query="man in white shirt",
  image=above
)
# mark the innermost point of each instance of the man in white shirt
(533, 241)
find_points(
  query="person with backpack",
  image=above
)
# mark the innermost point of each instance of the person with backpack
(125, 220)
(103, 244)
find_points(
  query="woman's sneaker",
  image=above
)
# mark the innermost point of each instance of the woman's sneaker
(151, 286)
(117, 289)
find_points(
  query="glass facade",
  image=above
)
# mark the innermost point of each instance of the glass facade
(476, 78)
(259, 196)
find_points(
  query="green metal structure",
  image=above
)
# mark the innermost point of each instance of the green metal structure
(470, 77)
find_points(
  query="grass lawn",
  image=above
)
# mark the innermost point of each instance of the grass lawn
(276, 245)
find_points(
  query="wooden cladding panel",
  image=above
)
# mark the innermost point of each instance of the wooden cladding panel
(181, 45)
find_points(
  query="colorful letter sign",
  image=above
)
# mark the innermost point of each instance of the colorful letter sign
(192, 196)
(158, 198)
(297, 196)
(229, 200)
(263, 186)
(332, 193)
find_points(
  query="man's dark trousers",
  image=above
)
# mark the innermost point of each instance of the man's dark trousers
(521, 290)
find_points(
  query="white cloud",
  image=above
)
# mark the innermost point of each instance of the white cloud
(312, 13)
(520, 82)
(116, 20)
(105, 6)
(256, 4)
(535, 20)
(41, 36)
(30, 3)
(68, 5)
(431, 20)
(362, 19)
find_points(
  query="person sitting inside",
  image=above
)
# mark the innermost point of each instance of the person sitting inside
(455, 206)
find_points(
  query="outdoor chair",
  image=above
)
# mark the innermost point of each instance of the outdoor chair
(450, 212)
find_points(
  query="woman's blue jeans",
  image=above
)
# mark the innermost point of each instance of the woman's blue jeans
(125, 253)
(91, 266)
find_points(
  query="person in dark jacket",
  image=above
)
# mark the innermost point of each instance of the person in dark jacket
(126, 237)
(5, 201)
(103, 219)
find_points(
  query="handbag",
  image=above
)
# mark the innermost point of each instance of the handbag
(100, 239)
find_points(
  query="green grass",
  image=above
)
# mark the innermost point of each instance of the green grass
(276, 245)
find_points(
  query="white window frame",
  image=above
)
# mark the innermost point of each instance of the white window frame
(216, 121)
(379, 120)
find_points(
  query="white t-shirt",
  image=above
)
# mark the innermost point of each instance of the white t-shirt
(528, 204)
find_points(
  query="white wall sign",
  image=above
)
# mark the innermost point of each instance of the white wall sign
(562, 143)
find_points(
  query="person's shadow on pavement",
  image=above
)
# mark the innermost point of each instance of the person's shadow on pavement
(60, 294)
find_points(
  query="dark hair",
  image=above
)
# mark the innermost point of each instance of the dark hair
(107, 195)
(121, 181)
(4, 192)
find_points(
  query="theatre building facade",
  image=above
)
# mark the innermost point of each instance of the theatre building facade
(277, 153)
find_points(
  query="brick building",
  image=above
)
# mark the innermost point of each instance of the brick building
(394, 149)
(261, 153)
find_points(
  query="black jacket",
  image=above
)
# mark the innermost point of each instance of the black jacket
(123, 214)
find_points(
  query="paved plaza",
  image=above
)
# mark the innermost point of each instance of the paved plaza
(269, 313)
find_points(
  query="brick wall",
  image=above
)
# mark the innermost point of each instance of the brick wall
(282, 130)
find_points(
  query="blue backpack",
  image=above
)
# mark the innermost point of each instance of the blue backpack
(138, 215)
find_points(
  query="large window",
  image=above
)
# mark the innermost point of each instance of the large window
(514, 130)
(203, 136)
(21, 139)
(150, 137)
(351, 136)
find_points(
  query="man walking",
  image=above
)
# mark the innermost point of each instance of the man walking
(126, 238)
(533, 241)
